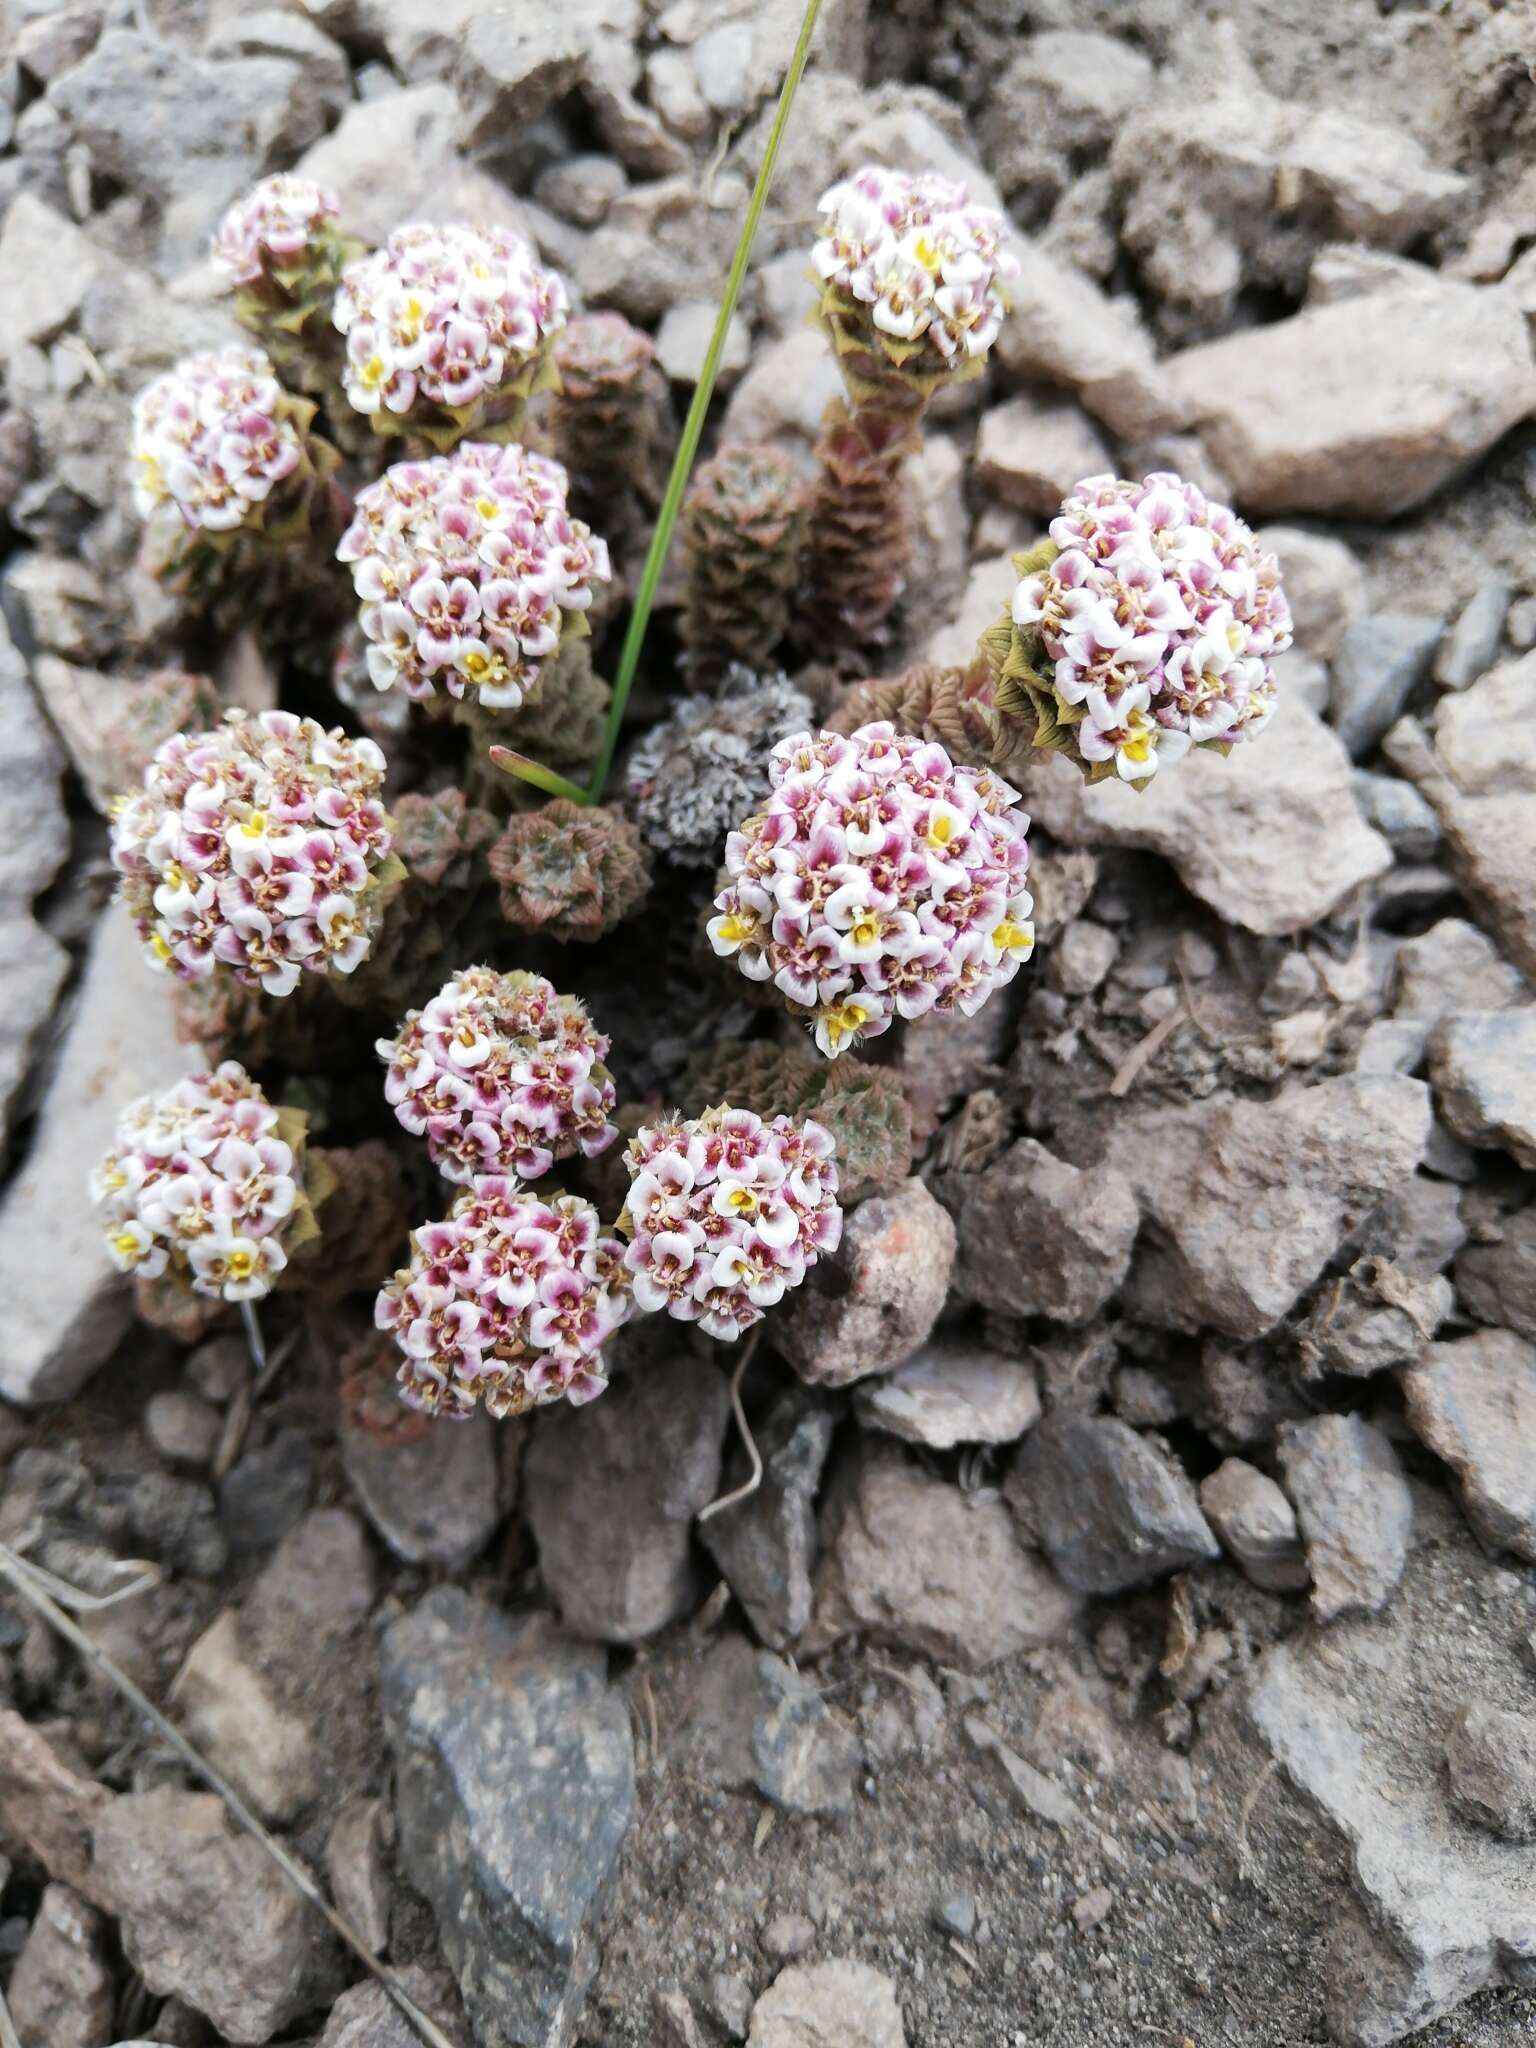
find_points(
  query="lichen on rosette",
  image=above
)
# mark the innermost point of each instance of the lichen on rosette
(880, 881)
(500, 1073)
(262, 847)
(203, 1187)
(727, 1212)
(507, 1302)
(472, 574)
(1144, 625)
(570, 871)
(694, 774)
(449, 331)
(282, 250)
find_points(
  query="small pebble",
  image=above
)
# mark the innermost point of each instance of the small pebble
(955, 1913)
(731, 2001)
(183, 1428)
(219, 1368)
(1093, 1908)
(788, 1936)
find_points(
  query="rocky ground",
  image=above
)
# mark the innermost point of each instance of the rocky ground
(1134, 1639)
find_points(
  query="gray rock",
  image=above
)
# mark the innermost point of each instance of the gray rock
(582, 188)
(1108, 1507)
(183, 1428)
(1030, 452)
(315, 1590)
(1380, 661)
(683, 338)
(514, 1768)
(397, 158)
(434, 1499)
(755, 1721)
(837, 2004)
(1468, 648)
(264, 1495)
(1490, 1754)
(61, 1991)
(765, 1546)
(208, 1918)
(1452, 967)
(1036, 1793)
(1391, 1045)
(1481, 733)
(1057, 104)
(650, 1450)
(66, 1305)
(1040, 1237)
(869, 1306)
(955, 1913)
(1497, 1282)
(1081, 957)
(367, 2017)
(357, 1867)
(1324, 582)
(784, 393)
(914, 1562)
(1256, 1523)
(954, 1391)
(1354, 1510)
(730, 1999)
(1482, 1065)
(1473, 1402)
(1377, 1316)
(1077, 337)
(788, 1936)
(33, 964)
(268, 1754)
(512, 66)
(1396, 810)
(50, 1808)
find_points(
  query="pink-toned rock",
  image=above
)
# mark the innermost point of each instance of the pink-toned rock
(49, 1807)
(868, 1307)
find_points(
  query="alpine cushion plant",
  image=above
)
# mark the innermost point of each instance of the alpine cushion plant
(262, 847)
(880, 881)
(572, 871)
(283, 252)
(508, 1301)
(1143, 626)
(695, 773)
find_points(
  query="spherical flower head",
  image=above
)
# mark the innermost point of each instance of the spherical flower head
(200, 1184)
(213, 440)
(727, 1212)
(879, 881)
(447, 328)
(273, 231)
(500, 1074)
(1145, 626)
(471, 572)
(261, 848)
(508, 1301)
(913, 267)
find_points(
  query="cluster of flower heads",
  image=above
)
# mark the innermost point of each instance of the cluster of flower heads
(273, 229)
(1160, 613)
(198, 1182)
(451, 317)
(881, 880)
(508, 1301)
(469, 566)
(926, 263)
(501, 1075)
(728, 1211)
(213, 439)
(255, 847)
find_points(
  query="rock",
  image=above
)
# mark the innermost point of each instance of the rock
(1244, 1396)
(730, 2000)
(659, 245)
(936, 477)
(434, 1499)
(268, 1754)
(650, 1449)
(358, 1871)
(264, 1495)
(1482, 1065)
(1031, 451)
(1270, 838)
(675, 2013)
(66, 1305)
(61, 1991)
(1480, 733)
(220, 1367)
(1092, 1909)
(953, 1392)
(515, 1783)
(183, 1429)
(784, 393)
(1036, 1793)
(367, 2017)
(208, 1918)
(765, 1546)
(989, 587)
(1395, 809)
(397, 159)
(316, 1589)
(1058, 104)
(1354, 1510)
(1108, 1507)
(581, 188)
(1468, 649)
(682, 341)
(1256, 1523)
(512, 67)
(869, 1306)
(1040, 1237)
(1077, 337)
(756, 1721)
(838, 2004)
(1381, 660)
(1472, 1401)
(1324, 582)
(915, 1562)
(1377, 1316)
(1081, 957)
(1490, 1754)
(32, 962)
(1365, 407)
(49, 1808)
(788, 1936)
(323, 90)
(1497, 1282)
(1450, 968)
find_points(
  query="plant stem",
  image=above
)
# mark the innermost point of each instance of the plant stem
(513, 763)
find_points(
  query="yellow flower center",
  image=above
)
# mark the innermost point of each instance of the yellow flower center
(866, 931)
(255, 825)
(742, 1200)
(941, 830)
(373, 373)
(487, 507)
(739, 928)
(1014, 938)
(125, 1244)
(241, 1265)
(1138, 748)
(846, 1021)
(159, 946)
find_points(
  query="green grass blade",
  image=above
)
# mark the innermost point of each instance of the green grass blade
(513, 763)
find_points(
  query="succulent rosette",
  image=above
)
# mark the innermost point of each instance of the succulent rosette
(1143, 626)
(508, 1301)
(449, 331)
(471, 573)
(880, 881)
(500, 1074)
(727, 1212)
(282, 251)
(204, 1185)
(262, 847)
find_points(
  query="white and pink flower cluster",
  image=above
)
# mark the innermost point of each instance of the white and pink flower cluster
(924, 260)
(444, 316)
(728, 1210)
(198, 1181)
(500, 1074)
(1160, 613)
(212, 439)
(272, 228)
(252, 847)
(509, 1301)
(881, 881)
(466, 565)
